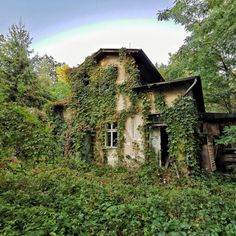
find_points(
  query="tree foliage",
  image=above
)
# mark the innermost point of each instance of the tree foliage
(45, 67)
(52, 77)
(24, 130)
(229, 135)
(61, 89)
(18, 82)
(209, 49)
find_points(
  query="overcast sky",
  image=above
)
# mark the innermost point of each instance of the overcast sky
(70, 30)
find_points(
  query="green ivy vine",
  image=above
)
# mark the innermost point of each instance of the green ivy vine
(93, 103)
(95, 92)
(94, 100)
(182, 122)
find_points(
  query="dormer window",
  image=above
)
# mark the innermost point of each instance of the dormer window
(111, 135)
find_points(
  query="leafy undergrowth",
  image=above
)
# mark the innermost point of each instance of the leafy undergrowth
(72, 198)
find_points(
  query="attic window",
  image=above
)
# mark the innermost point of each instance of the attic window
(111, 135)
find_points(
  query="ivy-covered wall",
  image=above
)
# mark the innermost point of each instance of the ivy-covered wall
(102, 94)
(182, 128)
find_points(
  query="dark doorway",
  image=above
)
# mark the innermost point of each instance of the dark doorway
(164, 146)
(159, 143)
(88, 147)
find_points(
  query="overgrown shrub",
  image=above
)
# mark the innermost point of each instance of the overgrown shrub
(24, 134)
(78, 199)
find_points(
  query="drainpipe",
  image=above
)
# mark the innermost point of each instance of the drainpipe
(193, 84)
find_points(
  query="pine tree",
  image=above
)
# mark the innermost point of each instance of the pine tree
(18, 82)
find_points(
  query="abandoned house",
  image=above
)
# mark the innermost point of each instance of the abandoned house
(115, 116)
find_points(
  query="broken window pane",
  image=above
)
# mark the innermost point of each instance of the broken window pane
(114, 139)
(108, 138)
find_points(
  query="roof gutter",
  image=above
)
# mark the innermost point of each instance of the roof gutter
(188, 90)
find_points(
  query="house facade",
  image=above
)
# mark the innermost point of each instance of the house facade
(115, 116)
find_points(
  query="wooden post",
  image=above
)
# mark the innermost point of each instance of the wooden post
(211, 153)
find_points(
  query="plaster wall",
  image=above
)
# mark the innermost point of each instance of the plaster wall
(169, 96)
(123, 102)
(114, 60)
(112, 158)
(134, 143)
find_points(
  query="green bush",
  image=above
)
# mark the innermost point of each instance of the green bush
(77, 199)
(229, 136)
(23, 135)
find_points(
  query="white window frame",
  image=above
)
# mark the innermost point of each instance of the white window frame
(111, 131)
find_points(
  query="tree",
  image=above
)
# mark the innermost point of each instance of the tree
(18, 82)
(52, 77)
(229, 136)
(209, 50)
(24, 130)
(61, 88)
(45, 68)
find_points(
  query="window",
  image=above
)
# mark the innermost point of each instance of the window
(111, 135)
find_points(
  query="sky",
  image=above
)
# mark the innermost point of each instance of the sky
(70, 30)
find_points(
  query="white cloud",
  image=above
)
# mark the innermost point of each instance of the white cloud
(157, 39)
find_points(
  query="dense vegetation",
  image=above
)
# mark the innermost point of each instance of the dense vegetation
(44, 193)
(72, 198)
(27, 86)
(209, 49)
